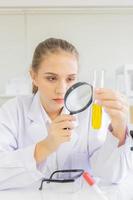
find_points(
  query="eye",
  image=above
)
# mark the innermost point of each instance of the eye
(51, 78)
(70, 79)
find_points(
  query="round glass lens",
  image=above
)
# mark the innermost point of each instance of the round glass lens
(78, 97)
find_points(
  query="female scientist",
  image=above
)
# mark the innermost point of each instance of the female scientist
(38, 136)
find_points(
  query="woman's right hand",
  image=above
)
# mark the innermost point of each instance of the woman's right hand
(60, 130)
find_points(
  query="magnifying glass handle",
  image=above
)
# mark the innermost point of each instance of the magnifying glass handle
(69, 128)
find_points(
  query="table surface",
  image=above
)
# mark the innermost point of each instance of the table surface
(123, 191)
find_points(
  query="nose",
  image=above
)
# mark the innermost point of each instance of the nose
(61, 87)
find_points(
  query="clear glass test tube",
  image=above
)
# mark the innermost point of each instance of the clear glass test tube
(98, 82)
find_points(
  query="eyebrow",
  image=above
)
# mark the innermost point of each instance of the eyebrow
(50, 73)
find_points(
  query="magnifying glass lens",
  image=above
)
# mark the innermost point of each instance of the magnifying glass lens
(78, 97)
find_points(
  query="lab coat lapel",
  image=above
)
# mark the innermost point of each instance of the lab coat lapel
(37, 126)
(35, 113)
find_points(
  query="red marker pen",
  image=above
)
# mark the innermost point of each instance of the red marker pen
(93, 185)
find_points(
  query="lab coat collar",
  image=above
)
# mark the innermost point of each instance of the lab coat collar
(35, 113)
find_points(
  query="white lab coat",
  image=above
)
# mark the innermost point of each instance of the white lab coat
(23, 122)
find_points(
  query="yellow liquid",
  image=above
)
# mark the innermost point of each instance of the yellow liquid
(96, 116)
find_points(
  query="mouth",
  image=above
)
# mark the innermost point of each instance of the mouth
(59, 101)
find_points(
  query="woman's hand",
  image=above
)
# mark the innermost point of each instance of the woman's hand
(60, 130)
(117, 107)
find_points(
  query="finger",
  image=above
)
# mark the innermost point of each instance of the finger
(67, 125)
(122, 108)
(116, 112)
(64, 117)
(106, 94)
(111, 104)
(124, 100)
(119, 100)
(66, 133)
(66, 139)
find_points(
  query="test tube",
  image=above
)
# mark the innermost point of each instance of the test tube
(98, 82)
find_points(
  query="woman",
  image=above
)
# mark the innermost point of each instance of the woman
(38, 136)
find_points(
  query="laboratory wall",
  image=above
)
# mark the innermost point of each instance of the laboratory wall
(103, 37)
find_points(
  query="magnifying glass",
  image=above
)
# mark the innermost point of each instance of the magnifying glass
(78, 97)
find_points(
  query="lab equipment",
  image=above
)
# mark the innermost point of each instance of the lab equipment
(96, 191)
(78, 97)
(98, 82)
(73, 175)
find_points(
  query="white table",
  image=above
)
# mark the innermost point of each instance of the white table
(123, 191)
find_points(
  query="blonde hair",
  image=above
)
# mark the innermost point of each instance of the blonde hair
(50, 45)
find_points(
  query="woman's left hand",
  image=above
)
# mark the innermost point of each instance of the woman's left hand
(117, 107)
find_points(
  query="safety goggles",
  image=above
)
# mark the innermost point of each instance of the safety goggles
(74, 174)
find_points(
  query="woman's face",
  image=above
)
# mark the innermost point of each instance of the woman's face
(56, 73)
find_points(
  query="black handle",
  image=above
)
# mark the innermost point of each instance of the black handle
(131, 133)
